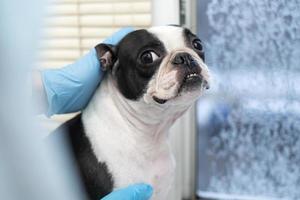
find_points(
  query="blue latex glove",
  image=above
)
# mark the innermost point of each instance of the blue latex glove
(70, 88)
(133, 192)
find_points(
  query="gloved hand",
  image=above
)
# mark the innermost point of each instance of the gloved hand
(133, 192)
(70, 88)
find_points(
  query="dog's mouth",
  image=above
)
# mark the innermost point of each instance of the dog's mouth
(158, 100)
(189, 80)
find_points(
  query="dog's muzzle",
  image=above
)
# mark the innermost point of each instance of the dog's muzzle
(188, 75)
(189, 70)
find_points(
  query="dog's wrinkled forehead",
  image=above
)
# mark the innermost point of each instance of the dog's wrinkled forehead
(167, 38)
(171, 36)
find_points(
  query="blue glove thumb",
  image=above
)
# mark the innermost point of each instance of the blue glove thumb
(70, 88)
(133, 192)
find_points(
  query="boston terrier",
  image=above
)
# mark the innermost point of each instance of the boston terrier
(153, 76)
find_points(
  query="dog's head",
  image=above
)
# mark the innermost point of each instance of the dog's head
(160, 65)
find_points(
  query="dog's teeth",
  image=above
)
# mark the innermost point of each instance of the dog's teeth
(191, 75)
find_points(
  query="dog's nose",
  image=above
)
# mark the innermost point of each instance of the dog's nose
(184, 59)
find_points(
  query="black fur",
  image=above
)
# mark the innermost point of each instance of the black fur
(189, 37)
(95, 176)
(132, 76)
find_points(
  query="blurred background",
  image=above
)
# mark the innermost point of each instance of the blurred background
(241, 140)
(249, 124)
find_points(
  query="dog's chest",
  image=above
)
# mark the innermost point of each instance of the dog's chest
(158, 172)
(129, 160)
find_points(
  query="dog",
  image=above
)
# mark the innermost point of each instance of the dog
(153, 76)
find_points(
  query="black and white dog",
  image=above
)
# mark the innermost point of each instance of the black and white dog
(121, 138)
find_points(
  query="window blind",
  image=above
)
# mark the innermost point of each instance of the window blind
(72, 27)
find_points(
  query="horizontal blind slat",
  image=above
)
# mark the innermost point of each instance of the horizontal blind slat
(61, 43)
(128, 1)
(62, 1)
(114, 8)
(95, 8)
(62, 21)
(58, 54)
(97, 31)
(61, 32)
(96, 20)
(115, 20)
(144, 7)
(62, 9)
(58, 2)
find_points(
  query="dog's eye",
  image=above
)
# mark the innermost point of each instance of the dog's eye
(197, 44)
(148, 57)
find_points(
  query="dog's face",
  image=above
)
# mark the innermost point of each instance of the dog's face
(160, 65)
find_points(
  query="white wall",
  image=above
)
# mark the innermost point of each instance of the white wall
(165, 12)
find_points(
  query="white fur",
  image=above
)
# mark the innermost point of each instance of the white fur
(172, 36)
(131, 137)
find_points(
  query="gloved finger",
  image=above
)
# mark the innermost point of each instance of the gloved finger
(70, 88)
(117, 36)
(133, 192)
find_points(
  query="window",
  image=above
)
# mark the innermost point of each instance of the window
(75, 26)
(249, 123)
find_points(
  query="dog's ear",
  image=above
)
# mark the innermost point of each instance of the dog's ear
(106, 54)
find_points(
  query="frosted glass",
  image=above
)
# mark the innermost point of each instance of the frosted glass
(249, 123)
